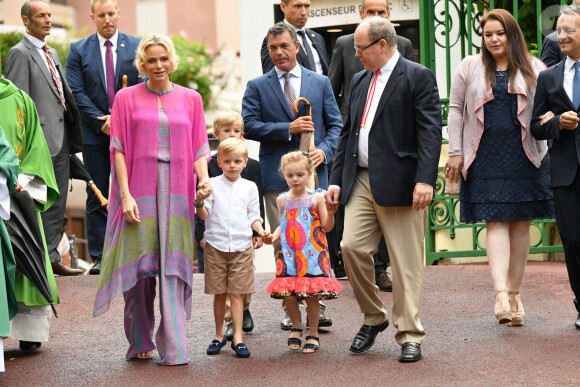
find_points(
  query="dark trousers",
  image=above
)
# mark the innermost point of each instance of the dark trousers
(98, 163)
(567, 205)
(53, 219)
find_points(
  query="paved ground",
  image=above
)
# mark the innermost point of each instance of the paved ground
(464, 345)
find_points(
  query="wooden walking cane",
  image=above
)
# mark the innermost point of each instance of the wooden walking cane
(307, 139)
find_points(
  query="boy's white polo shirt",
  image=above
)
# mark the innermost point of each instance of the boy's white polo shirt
(232, 207)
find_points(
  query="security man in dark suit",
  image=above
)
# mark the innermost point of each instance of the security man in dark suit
(312, 53)
(94, 80)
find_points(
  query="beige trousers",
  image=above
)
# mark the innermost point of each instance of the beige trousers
(404, 231)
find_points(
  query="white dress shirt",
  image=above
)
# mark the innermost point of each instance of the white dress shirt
(363, 138)
(39, 44)
(315, 55)
(569, 71)
(295, 78)
(232, 208)
(114, 49)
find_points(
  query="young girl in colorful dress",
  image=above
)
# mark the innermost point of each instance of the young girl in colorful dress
(302, 266)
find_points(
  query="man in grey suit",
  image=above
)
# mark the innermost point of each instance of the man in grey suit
(343, 66)
(35, 68)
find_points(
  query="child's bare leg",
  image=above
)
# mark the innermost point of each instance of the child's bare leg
(237, 311)
(219, 312)
(294, 313)
(313, 310)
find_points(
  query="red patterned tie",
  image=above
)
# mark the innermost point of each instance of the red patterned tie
(53, 73)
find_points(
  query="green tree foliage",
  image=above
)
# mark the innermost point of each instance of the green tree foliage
(527, 18)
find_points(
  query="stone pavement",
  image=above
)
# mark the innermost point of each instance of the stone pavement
(464, 344)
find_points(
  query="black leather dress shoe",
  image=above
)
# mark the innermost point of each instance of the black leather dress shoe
(62, 269)
(411, 352)
(29, 345)
(247, 322)
(339, 272)
(323, 320)
(577, 323)
(365, 338)
(286, 323)
(229, 332)
(96, 268)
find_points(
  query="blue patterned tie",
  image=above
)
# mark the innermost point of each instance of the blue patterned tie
(576, 86)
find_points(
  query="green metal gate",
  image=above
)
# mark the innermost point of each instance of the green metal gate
(450, 31)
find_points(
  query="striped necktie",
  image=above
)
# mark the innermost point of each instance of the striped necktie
(53, 73)
(289, 92)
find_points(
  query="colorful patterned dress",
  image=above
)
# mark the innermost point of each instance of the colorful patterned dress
(303, 266)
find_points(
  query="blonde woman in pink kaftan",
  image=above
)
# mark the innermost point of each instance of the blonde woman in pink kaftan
(159, 147)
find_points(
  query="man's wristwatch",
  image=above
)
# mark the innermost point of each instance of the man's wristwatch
(199, 205)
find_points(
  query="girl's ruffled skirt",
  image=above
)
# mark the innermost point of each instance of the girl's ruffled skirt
(304, 287)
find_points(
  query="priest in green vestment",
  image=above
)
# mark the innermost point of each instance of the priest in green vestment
(19, 119)
(8, 180)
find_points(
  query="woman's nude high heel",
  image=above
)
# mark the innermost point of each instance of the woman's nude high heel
(517, 309)
(504, 312)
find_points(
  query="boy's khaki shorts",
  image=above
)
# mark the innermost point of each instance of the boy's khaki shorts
(228, 272)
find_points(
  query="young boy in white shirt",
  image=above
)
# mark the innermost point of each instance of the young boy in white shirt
(229, 267)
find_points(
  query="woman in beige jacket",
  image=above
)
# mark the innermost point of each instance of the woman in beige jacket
(504, 171)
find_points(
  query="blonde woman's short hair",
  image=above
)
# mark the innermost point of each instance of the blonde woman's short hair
(232, 145)
(227, 118)
(154, 39)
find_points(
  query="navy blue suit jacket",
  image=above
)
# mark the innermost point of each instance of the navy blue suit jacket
(551, 96)
(404, 141)
(86, 78)
(267, 119)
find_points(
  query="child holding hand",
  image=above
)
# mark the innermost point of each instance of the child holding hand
(231, 211)
(302, 266)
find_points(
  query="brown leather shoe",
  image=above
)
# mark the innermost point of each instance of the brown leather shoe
(62, 269)
(384, 282)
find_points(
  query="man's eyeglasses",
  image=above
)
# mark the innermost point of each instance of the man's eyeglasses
(356, 49)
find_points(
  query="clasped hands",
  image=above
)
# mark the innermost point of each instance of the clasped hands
(203, 190)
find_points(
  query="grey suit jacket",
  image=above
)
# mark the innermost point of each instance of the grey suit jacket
(28, 71)
(344, 65)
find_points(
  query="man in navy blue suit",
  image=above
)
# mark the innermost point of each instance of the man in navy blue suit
(268, 118)
(94, 70)
(555, 117)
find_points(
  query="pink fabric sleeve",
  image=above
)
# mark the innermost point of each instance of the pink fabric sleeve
(456, 101)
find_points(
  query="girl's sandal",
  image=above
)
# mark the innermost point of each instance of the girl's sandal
(311, 347)
(294, 343)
